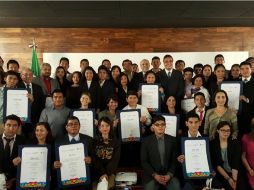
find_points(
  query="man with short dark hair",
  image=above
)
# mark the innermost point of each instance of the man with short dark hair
(158, 158)
(73, 136)
(13, 65)
(156, 64)
(11, 80)
(9, 143)
(247, 98)
(65, 63)
(56, 115)
(200, 109)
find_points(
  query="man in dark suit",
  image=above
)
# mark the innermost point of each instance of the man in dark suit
(200, 109)
(140, 77)
(73, 136)
(158, 158)
(171, 80)
(107, 88)
(47, 83)
(247, 98)
(9, 143)
(35, 96)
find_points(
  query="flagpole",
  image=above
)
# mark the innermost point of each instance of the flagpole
(35, 66)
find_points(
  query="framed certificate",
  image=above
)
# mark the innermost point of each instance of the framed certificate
(150, 97)
(34, 170)
(172, 124)
(74, 170)
(188, 104)
(234, 90)
(197, 162)
(86, 118)
(130, 125)
(16, 102)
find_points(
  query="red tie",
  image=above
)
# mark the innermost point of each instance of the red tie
(201, 116)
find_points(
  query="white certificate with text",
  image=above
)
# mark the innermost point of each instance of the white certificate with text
(150, 97)
(73, 165)
(34, 166)
(196, 158)
(17, 103)
(233, 90)
(130, 125)
(171, 124)
(86, 119)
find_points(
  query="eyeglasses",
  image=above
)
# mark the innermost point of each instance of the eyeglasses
(73, 124)
(225, 130)
(160, 124)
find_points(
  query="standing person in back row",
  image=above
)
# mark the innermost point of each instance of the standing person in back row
(171, 80)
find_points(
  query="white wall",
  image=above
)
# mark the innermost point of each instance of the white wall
(190, 58)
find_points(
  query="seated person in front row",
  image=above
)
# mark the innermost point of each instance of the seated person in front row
(107, 152)
(158, 158)
(72, 136)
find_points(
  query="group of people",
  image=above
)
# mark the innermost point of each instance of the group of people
(231, 133)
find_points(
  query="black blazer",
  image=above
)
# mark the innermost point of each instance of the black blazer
(94, 91)
(107, 89)
(86, 140)
(12, 170)
(150, 160)
(38, 103)
(174, 85)
(233, 153)
(136, 80)
(247, 108)
(201, 128)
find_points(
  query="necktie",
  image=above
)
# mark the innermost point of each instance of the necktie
(169, 74)
(28, 88)
(201, 116)
(73, 140)
(7, 154)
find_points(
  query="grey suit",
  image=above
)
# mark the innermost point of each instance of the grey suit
(54, 85)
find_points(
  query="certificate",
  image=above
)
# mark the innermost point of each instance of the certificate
(129, 125)
(86, 119)
(172, 124)
(73, 170)
(16, 102)
(33, 172)
(234, 89)
(188, 104)
(197, 162)
(150, 97)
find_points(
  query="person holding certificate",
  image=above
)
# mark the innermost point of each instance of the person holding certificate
(11, 80)
(226, 157)
(73, 136)
(158, 158)
(9, 143)
(107, 152)
(193, 123)
(221, 112)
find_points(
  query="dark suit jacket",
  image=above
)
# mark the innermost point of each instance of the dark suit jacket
(233, 153)
(136, 80)
(94, 91)
(12, 170)
(86, 140)
(54, 85)
(107, 89)
(174, 85)
(201, 128)
(150, 159)
(247, 108)
(38, 103)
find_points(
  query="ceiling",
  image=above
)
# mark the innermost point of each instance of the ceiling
(126, 14)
